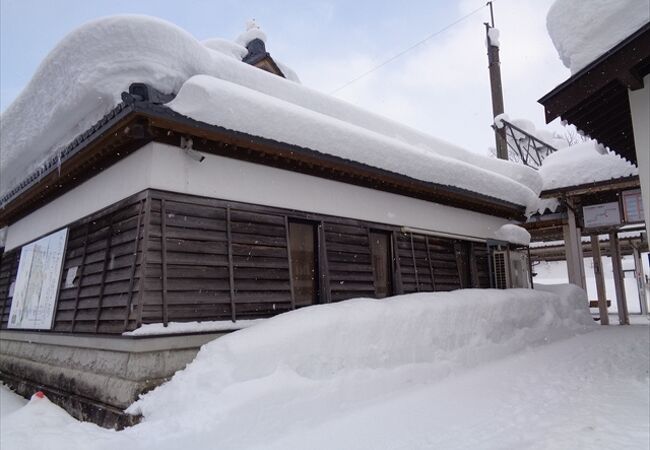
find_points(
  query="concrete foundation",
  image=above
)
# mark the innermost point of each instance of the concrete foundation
(94, 378)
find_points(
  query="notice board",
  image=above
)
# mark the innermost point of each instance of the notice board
(37, 282)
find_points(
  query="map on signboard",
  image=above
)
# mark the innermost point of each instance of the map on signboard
(633, 206)
(37, 282)
(602, 215)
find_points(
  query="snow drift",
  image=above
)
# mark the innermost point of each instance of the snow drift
(449, 330)
(83, 77)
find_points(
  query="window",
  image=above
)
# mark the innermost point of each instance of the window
(304, 268)
(380, 250)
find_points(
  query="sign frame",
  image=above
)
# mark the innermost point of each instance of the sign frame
(24, 315)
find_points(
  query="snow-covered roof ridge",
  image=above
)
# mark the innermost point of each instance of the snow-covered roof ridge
(253, 31)
(581, 164)
(584, 30)
(82, 79)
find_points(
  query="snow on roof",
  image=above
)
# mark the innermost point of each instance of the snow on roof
(513, 233)
(584, 30)
(253, 31)
(581, 164)
(215, 101)
(83, 77)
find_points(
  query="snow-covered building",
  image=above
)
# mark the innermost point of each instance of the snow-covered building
(606, 45)
(148, 177)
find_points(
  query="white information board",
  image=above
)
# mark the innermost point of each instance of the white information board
(602, 215)
(37, 282)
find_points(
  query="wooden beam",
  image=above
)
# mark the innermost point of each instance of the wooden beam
(102, 286)
(621, 301)
(129, 298)
(163, 259)
(231, 269)
(640, 281)
(291, 283)
(431, 271)
(323, 265)
(397, 268)
(571, 244)
(145, 257)
(81, 274)
(415, 265)
(600, 280)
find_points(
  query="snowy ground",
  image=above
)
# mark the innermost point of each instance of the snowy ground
(545, 383)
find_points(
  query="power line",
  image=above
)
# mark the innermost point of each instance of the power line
(394, 57)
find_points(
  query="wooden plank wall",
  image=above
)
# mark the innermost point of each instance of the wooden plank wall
(103, 254)
(166, 257)
(8, 271)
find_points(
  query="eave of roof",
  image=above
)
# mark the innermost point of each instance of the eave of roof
(133, 124)
(617, 184)
(595, 99)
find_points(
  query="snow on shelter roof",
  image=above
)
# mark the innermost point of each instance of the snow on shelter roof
(584, 30)
(582, 164)
(83, 77)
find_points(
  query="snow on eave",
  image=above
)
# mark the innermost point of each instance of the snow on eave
(217, 102)
(582, 31)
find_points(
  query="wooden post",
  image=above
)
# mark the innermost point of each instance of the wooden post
(572, 246)
(640, 280)
(494, 66)
(163, 259)
(415, 265)
(621, 301)
(600, 280)
(231, 268)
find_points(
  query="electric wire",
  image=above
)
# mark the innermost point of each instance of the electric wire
(403, 52)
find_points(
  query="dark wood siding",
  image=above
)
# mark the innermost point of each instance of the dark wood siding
(8, 272)
(166, 257)
(104, 255)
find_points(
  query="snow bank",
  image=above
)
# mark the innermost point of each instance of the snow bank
(9, 401)
(584, 30)
(151, 329)
(218, 102)
(451, 330)
(83, 77)
(513, 234)
(583, 163)
(40, 424)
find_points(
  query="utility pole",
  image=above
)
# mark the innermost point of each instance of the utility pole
(494, 66)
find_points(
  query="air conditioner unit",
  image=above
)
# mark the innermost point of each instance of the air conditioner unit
(511, 269)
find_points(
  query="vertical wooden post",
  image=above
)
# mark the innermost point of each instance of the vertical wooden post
(600, 280)
(163, 259)
(433, 277)
(291, 284)
(145, 257)
(640, 280)
(415, 265)
(399, 286)
(572, 246)
(231, 268)
(102, 285)
(323, 265)
(81, 276)
(136, 245)
(621, 301)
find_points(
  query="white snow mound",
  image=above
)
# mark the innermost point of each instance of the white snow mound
(513, 233)
(584, 30)
(451, 330)
(581, 164)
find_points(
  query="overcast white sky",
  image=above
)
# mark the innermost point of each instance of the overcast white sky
(441, 87)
